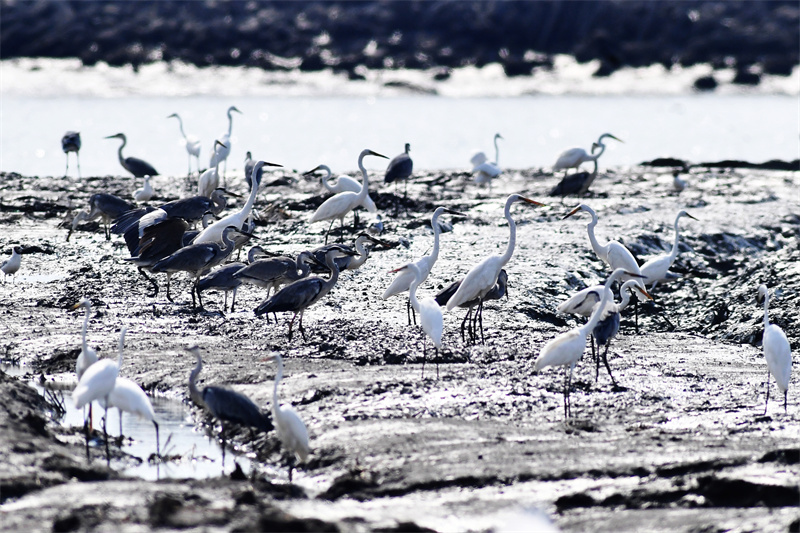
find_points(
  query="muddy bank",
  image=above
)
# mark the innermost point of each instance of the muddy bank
(682, 444)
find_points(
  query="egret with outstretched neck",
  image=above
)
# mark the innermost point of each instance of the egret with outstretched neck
(574, 157)
(292, 431)
(343, 184)
(405, 278)
(221, 153)
(208, 181)
(485, 171)
(777, 352)
(482, 277)
(338, 206)
(138, 167)
(192, 144)
(657, 269)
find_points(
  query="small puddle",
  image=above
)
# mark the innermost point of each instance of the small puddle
(190, 453)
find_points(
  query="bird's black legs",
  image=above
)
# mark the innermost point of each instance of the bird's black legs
(329, 230)
(567, 380)
(152, 282)
(291, 466)
(636, 314)
(291, 323)
(436, 355)
(785, 400)
(105, 436)
(222, 437)
(424, 357)
(302, 331)
(158, 444)
(463, 322)
(78, 157)
(595, 358)
(480, 319)
(233, 301)
(66, 172)
(86, 435)
(410, 313)
(119, 439)
(766, 405)
(169, 279)
(608, 367)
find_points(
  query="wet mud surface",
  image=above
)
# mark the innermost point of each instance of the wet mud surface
(683, 443)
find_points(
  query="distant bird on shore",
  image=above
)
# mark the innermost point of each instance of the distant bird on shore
(482, 277)
(11, 265)
(106, 207)
(405, 278)
(127, 396)
(249, 165)
(145, 193)
(576, 184)
(221, 153)
(192, 144)
(657, 269)
(339, 205)
(400, 168)
(343, 184)
(135, 166)
(71, 142)
(574, 157)
(484, 170)
(678, 183)
(208, 181)
(292, 431)
(224, 404)
(777, 352)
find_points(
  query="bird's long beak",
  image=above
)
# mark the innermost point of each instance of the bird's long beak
(377, 154)
(534, 202)
(77, 305)
(453, 212)
(632, 275)
(311, 171)
(616, 138)
(112, 136)
(221, 144)
(690, 216)
(229, 193)
(398, 269)
(266, 164)
(571, 213)
(644, 292)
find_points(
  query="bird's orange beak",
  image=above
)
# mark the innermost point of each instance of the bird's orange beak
(534, 202)
(571, 213)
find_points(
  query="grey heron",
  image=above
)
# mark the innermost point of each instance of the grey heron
(71, 142)
(271, 273)
(223, 278)
(138, 167)
(347, 262)
(400, 168)
(576, 184)
(106, 207)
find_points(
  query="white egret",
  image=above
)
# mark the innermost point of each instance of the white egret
(71, 142)
(777, 352)
(567, 348)
(192, 144)
(338, 206)
(129, 397)
(678, 183)
(574, 157)
(221, 153)
(343, 184)
(11, 265)
(208, 181)
(292, 431)
(145, 193)
(88, 355)
(499, 290)
(134, 165)
(484, 170)
(403, 281)
(575, 184)
(657, 269)
(430, 314)
(213, 233)
(97, 382)
(482, 277)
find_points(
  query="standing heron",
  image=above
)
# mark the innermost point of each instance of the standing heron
(224, 404)
(249, 165)
(341, 204)
(71, 142)
(348, 262)
(483, 276)
(292, 431)
(192, 144)
(224, 278)
(106, 207)
(485, 171)
(135, 166)
(567, 348)
(403, 281)
(574, 157)
(657, 269)
(499, 290)
(11, 265)
(145, 193)
(221, 153)
(213, 233)
(777, 352)
(208, 181)
(400, 168)
(302, 294)
(97, 383)
(430, 314)
(271, 273)
(198, 258)
(343, 184)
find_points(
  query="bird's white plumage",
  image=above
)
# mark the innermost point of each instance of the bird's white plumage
(88, 355)
(208, 181)
(655, 270)
(483, 169)
(98, 380)
(291, 430)
(145, 193)
(129, 397)
(575, 157)
(777, 351)
(429, 311)
(344, 184)
(11, 265)
(222, 151)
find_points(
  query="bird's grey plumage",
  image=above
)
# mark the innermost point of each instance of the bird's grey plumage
(71, 142)
(249, 165)
(400, 167)
(138, 167)
(276, 271)
(105, 206)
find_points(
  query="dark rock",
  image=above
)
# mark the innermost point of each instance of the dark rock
(705, 83)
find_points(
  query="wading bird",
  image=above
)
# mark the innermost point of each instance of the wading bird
(88, 355)
(484, 170)
(249, 165)
(129, 397)
(145, 193)
(483, 276)
(567, 348)
(339, 205)
(208, 181)
(106, 207)
(221, 153)
(224, 404)
(271, 273)
(574, 157)
(400, 168)
(777, 352)
(302, 294)
(11, 265)
(223, 278)
(348, 262)
(135, 166)
(97, 382)
(198, 258)
(71, 142)
(292, 431)
(430, 314)
(499, 290)
(192, 144)
(403, 281)
(577, 184)
(657, 269)
(343, 184)
(213, 233)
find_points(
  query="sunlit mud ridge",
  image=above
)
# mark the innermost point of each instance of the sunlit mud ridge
(682, 443)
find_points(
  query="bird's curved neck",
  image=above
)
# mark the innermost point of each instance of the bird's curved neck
(512, 237)
(625, 299)
(303, 267)
(86, 327)
(326, 180)
(412, 291)
(197, 398)
(180, 125)
(674, 253)
(230, 122)
(228, 243)
(599, 249)
(594, 157)
(363, 253)
(365, 182)
(496, 152)
(437, 229)
(119, 151)
(598, 310)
